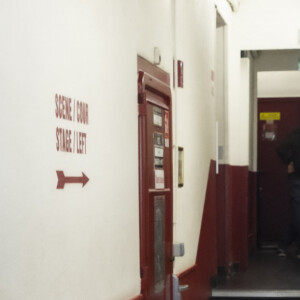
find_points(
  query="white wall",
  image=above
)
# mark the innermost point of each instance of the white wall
(277, 60)
(83, 243)
(75, 243)
(220, 94)
(195, 41)
(265, 31)
(268, 24)
(224, 10)
(278, 84)
(155, 29)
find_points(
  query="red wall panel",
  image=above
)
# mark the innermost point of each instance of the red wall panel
(225, 229)
(220, 209)
(233, 194)
(252, 212)
(198, 278)
(236, 215)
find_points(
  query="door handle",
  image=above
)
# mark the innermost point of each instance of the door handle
(183, 288)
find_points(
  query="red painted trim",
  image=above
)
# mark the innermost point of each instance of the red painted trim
(147, 67)
(252, 212)
(236, 214)
(180, 73)
(266, 100)
(220, 209)
(139, 297)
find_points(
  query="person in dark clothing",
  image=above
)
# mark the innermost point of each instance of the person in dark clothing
(289, 152)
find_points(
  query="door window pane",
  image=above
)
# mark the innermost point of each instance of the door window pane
(159, 246)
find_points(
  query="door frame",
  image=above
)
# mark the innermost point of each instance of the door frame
(154, 80)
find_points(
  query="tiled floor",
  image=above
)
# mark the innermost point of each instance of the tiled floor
(267, 276)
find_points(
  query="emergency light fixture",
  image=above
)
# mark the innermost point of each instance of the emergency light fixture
(234, 4)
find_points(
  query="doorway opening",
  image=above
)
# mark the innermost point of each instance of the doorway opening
(274, 112)
(273, 75)
(155, 181)
(278, 115)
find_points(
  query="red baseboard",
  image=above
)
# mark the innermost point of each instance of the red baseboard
(221, 221)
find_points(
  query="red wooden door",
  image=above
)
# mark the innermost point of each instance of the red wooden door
(273, 204)
(155, 173)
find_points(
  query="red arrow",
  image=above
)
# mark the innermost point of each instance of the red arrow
(62, 179)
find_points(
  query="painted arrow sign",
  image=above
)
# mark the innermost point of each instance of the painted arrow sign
(62, 179)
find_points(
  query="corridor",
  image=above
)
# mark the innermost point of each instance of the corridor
(268, 276)
(138, 146)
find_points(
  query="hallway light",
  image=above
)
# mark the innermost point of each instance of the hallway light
(234, 4)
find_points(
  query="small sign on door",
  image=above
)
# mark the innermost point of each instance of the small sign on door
(267, 116)
(157, 116)
(158, 141)
(159, 179)
(167, 140)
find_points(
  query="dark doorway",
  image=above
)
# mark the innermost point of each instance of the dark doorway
(277, 117)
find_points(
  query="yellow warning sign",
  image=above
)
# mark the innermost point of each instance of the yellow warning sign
(264, 116)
